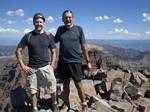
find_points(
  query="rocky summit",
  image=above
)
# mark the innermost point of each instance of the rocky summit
(114, 84)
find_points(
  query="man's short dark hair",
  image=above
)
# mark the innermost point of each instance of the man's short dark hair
(66, 12)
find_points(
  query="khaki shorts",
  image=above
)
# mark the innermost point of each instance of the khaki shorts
(42, 77)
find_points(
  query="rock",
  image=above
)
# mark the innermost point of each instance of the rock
(103, 106)
(121, 106)
(137, 79)
(113, 82)
(116, 90)
(143, 104)
(131, 91)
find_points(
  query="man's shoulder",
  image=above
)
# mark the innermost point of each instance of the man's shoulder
(78, 27)
(27, 36)
(74, 26)
(61, 27)
(29, 33)
(49, 34)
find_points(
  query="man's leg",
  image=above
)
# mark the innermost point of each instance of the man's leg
(81, 93)
(54, 97)
(51, 83)
(54, 102)
(32, 85)
(34, 101)
(80, 90)
(66, 93)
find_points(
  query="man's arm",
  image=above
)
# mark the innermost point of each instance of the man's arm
(85, 54)
(53, 57)
(51, 35)
(19, 55)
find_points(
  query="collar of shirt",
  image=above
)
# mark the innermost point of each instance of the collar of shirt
(42, 31)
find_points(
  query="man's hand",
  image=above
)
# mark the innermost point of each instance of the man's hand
(52, 65)
(89, 66)
(49, 34)
(27, 69)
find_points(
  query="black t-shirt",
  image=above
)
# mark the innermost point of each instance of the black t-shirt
(38, 48)
(70, 40)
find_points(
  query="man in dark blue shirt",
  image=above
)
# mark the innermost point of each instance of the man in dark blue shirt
(72, 46)
(40, 67)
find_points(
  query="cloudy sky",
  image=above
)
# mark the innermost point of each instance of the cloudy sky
(100, 19)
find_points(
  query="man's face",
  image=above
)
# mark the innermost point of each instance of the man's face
(68, 19)
(39, 24)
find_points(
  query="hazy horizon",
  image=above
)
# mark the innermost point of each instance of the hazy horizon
(141, 45)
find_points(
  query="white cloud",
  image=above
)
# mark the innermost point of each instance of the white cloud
(19, 12)
(105, 17)
(29, 20)
(147, 32)
(27, 30)
(117, 20)
(10, 22)
(135, 34)
(6, 21)
(102, 18)
(116, 30)
(9, 30)
(125, 32)
(146, 17)
(98, 18)
(50, 19)
(10, 13)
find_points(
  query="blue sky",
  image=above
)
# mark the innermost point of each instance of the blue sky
(100, 19)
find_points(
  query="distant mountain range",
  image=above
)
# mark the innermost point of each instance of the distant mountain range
(126, 58)
(121, 54)
(7, 50)
(7, 41)
(122, 48)
(140, 45)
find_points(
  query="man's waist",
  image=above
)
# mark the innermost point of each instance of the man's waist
(37, 65)
(70, 60)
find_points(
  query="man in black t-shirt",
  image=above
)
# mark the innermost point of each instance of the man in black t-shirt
(40, 67)
(72, 45)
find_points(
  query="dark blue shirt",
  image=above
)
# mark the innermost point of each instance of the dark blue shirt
(70, 40)
(38, 48)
